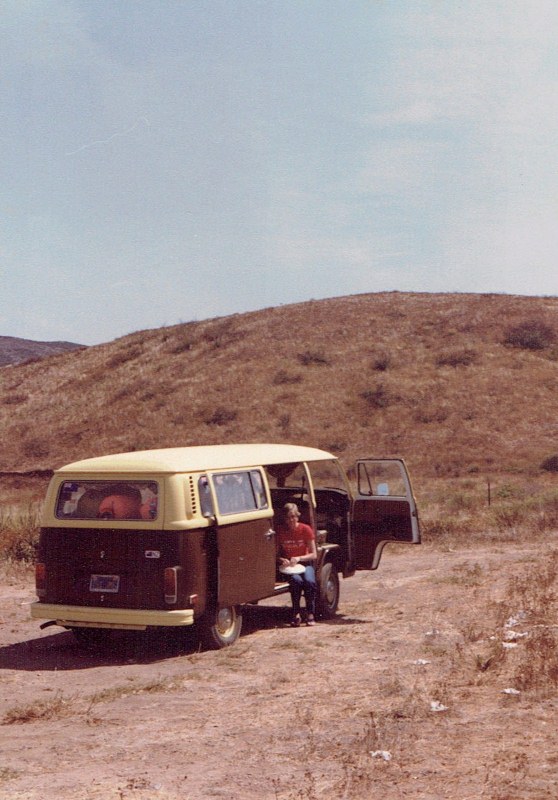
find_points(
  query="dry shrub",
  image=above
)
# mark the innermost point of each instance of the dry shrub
(532, 600)
(42, 710)
(310, 357)
(222, 333)
(381, 362)
(123, 356)
(531, 334)
(378, 397)
(285, 423)
(431, 412)
(534, 590)
(550, 464)
(509, 517)
(439, 528)
(282, 377)
(8, 774)
(220, 416)
(456, 358)
(19, 533)
(183, 346)
(35, 448)
(15, 399)
(538, 669)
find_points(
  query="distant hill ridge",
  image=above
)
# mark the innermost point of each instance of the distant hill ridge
(457, 384)
(16, 351)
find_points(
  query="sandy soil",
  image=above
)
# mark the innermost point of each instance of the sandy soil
(397, 697)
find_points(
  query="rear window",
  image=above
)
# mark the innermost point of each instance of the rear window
(240, 491)
(107, 500)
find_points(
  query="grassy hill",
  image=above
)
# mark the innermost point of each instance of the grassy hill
(16, 351)
(459, 385)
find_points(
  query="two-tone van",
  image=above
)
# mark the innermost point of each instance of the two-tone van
(185, 536)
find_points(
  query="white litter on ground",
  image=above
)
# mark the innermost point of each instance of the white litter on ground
(384, 754)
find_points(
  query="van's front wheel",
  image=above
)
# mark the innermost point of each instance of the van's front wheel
(221, 627)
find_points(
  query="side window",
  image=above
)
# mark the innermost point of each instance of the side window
(239, 491)
(327, 475)
(206, 501)
(258, 488)
(381, 479)
(287, 476)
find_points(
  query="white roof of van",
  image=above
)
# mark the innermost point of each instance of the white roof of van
(196, 459)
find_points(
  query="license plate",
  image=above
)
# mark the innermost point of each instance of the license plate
(104, 583)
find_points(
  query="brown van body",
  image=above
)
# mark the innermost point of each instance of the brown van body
(186, 536)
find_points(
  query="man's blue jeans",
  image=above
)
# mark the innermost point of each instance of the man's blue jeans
(304, 583)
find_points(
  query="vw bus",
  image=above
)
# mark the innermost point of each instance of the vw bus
(185, 536)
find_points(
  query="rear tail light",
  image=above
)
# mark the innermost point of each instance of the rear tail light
(40, 579)
(171, 585)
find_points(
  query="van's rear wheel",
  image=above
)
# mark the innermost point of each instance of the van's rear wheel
(328, 596)
(221, 627)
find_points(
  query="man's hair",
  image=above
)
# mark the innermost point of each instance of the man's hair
(291, 508)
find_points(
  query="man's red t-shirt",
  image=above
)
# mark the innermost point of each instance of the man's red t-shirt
(295, 543)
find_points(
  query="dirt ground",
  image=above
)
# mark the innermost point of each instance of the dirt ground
(403, 695)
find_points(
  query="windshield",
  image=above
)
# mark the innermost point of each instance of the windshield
(107, 500)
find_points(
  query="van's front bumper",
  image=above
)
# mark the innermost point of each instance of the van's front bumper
(124, 618)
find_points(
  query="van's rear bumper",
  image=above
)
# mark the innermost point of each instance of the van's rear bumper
(125, 618)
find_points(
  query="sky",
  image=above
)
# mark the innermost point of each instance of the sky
(170, 161)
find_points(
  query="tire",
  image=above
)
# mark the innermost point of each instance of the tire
(221, 627)
(328, 591)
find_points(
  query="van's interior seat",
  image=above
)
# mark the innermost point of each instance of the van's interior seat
(281, 496)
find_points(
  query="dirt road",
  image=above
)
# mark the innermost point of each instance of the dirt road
(396, 696)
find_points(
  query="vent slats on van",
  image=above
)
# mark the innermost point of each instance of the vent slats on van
(193, 504)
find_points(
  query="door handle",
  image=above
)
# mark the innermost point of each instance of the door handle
(269, 534)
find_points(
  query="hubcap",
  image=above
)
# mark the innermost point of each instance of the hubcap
(225, 620)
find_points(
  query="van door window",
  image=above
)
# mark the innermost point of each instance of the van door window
(124, 500)
(381, 479)
(237, 492)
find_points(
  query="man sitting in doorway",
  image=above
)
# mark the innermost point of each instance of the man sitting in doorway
(297, 553)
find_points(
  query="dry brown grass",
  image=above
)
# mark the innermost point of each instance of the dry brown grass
(431, 377)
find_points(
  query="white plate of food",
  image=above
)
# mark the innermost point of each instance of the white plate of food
(296, 569)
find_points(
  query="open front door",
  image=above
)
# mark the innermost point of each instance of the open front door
(384, 510)
(246, 549)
